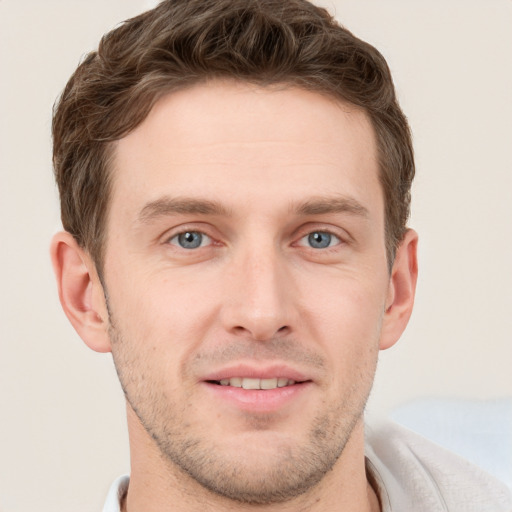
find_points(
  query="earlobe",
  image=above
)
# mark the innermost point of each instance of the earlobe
(401, 292)
(80, 291)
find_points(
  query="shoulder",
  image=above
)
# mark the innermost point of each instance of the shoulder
(413, 473)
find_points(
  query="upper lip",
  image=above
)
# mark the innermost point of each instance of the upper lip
(257, 372)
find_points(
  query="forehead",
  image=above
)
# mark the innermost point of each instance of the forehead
(246, 145)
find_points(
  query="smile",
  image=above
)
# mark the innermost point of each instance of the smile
(258, 390)
(252, 383)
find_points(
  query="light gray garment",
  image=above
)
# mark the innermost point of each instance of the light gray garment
(414, 474)
(117, 490)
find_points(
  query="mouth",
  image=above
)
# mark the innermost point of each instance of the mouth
(255, 383)
(259, 388)
(259, 393)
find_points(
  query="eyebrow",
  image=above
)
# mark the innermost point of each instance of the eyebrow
(326, 205)
(166, 206)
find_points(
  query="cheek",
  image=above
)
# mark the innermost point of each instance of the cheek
(346, 305)
(345, 319)
(166, 315)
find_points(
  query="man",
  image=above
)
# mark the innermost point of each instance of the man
(235, 184)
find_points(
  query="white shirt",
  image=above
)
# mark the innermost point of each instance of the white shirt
(409, 474)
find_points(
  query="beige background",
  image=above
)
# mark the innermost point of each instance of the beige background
(62, 430)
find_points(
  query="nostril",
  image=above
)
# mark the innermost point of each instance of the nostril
(260, 332)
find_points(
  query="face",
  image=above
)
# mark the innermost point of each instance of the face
(247, 281)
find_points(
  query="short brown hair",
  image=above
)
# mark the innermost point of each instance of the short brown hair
(184, 42)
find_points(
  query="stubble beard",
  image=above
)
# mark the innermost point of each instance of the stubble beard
(293, 469)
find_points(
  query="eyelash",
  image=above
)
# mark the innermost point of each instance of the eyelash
(189, 232)
(331, 236)
(175, 239)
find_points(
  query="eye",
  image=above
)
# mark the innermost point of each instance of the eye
(190, 240)
(320, 240)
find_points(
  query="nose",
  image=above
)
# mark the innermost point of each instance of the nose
(259, 300)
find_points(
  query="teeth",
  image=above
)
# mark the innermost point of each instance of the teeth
(281, 383)
(249, 383)
(236, 382)
(268, 383)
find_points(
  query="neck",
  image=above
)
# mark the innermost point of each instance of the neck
(156, 484)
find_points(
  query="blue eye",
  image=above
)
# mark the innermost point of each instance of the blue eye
(321, 239)
(190, 239)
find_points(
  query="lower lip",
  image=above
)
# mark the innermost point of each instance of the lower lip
(257, 400)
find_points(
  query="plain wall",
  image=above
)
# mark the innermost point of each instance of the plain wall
(62, 430)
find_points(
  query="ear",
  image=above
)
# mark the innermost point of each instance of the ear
(401, 291)
(80, 291)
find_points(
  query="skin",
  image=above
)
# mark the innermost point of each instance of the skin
(251, 173)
